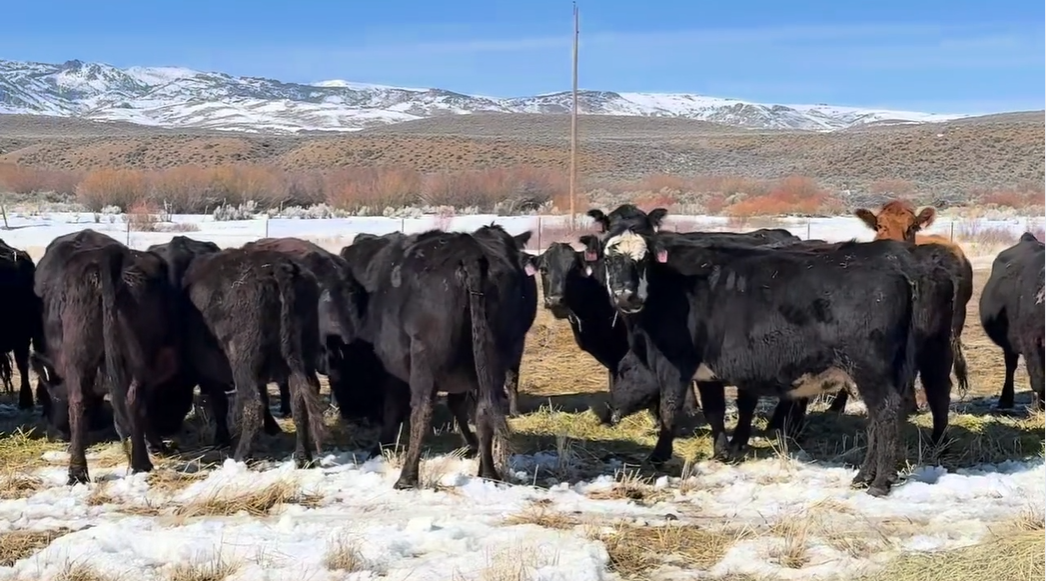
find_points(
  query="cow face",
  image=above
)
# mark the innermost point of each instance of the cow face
(625, 256)
(897, 221)
(556, 264)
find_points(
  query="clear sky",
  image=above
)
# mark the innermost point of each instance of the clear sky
(969, 56)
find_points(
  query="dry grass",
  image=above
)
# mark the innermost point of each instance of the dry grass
(256, 503)
(635, 552)
(19, 485)
(216, 569)
(1017, 557)
(82, 572)
(516, 563)
(343, 554)
(17, 545)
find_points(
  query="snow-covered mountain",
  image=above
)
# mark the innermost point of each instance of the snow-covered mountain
(180, 97)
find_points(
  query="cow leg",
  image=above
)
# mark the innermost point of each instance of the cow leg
(285, 404)
(459, 407)
(672, 397)
(746, 404)
(935, 367)
(269, 423)
(888, 443)
(1006, 397)
(422, 393)
(395, 409)
(713, 403)
(1033, 361)
(251, 410)
(839, 403)
(308, 416)
(78, 423)
(136, 404)
(512, 388)
(25, 392)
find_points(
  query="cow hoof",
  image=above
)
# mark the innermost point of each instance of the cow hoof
(139, 468)
(273, 429)
(78, 476)
(406, 483)
(26, 404)
(490, 475)
(878, 491)
(304, 463)
(862, 480)
(285, 413)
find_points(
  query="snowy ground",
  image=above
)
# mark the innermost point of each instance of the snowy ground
(780, 517)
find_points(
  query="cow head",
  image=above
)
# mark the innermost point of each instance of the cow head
(56, 410)
(556, 264)
(897, 220)
(627, 246)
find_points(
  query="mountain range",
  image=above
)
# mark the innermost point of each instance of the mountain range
(177, 97)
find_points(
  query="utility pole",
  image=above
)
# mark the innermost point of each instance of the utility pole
(573, 132)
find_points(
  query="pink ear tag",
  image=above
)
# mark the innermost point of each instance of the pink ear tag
(662, 256)
(590, 256)
(529, 269)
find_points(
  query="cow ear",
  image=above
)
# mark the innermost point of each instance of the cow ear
(600, 218)
(656, 216)
(867, 217)
(522, 239)
(926, 217)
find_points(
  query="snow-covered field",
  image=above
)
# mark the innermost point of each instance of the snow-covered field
(783, 517)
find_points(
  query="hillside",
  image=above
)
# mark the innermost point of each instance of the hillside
(990, 151)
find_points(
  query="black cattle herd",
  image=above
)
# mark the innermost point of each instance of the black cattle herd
(394, 319)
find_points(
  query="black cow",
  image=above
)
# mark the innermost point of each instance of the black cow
(51, 275)
(433, 325)
(340, 302)
(179, 253)
(790, 324)
(1011, 308)
(22, 316)
(518, 299)
(113, 308)
(255, 321)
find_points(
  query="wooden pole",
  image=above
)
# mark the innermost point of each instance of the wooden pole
(573, 131)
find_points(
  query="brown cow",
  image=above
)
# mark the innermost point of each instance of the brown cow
(897, 220)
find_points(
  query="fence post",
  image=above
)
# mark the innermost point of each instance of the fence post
(808, 220)
(951, 236)
(128, 241)
(539, 233)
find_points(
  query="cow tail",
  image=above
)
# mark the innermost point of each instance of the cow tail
(490, 403)
(909, 363)
(110, 278)
(304, 396)
(961, 289)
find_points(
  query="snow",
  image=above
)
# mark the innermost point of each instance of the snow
(459, 530)
(162, 96)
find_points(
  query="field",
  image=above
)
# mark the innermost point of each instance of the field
(581, 507)
(951, 161)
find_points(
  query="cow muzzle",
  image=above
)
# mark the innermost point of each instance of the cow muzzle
(627, 301)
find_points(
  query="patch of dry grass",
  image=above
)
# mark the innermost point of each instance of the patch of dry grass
(343, 554)
(1014, 557)
(515, 563)
(636, 552)
(82, 572)
(256, 503)
(541, 514)
(18, 484)
(216, 569)
(17, 545)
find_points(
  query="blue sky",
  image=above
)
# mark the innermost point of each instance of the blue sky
(973, 56)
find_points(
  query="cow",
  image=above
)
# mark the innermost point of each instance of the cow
(931, 267)
(170, 406)
(518, 299)
(340, 301)
(790, 324)
(712, 393)
(897, 220)
(22, 320)
(433, 326)
(51, 274)
(1011, 311)
(113, 307)
(255, 321)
